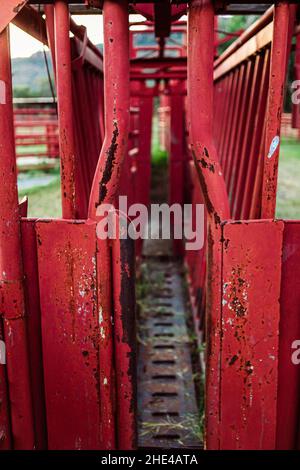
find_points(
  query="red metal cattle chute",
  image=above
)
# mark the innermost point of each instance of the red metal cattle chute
(67, 325)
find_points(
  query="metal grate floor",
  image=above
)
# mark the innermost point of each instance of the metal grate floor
(168, 414)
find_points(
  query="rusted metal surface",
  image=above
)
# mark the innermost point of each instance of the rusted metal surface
(168, 414)
(275, 102)
(70, 333)
(250, 334)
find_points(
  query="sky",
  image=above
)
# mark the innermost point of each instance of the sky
(23, 45)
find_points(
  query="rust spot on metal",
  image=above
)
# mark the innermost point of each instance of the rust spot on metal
(207, 165)
(18, 7)
(208, 202)
(248, 368)
(209, 205)
(237, 294)
(233, 360)
(217, 218)
(127, 298)
(109, 164)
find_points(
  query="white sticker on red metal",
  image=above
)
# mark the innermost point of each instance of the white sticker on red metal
(2, 352)
(2, 92)
(273, 146)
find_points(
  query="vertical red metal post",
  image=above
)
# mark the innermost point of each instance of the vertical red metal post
(65, 108)
(116, 104)
(200, 124)
(177, 155)
(49, 12)
(104, 189)
(11, 269)
(125, 340)
(274, 109)
(200, 108)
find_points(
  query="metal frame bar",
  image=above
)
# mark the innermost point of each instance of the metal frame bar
(11, 282)
(116, 96)
(65, 108)
(274, 108)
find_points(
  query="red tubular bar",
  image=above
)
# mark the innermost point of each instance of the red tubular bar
(106, 372)
(200, 120)
(11, 271)
(274, 108)
(104, 189)
(49, 12)
(65, 108)
(125, 340)
(116, 104)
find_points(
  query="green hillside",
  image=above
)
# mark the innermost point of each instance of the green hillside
(30, 75)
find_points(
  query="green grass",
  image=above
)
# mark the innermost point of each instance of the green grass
(288, 196)
(159, 156)
(35, 150)
(43, 201)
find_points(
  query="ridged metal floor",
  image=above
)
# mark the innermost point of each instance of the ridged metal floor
(168, 414)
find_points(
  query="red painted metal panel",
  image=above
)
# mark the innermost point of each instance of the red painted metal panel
(67, 266)
(250, 334)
